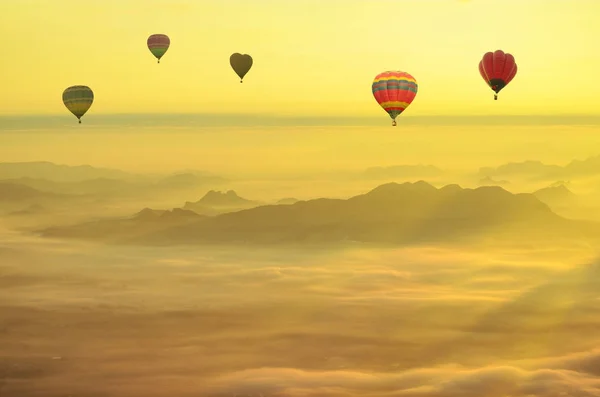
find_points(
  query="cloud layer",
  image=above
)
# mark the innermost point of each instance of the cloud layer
(418, 322)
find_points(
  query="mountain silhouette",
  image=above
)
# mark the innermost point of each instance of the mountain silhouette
(114, 230)
(539, 170)
(227, 199)
(16, 192)
(95, 187)
(287, 200)
(116, 187)
(216, 202)
(58, 172)
(148, 214)
(489, 181)
(555, 195)
(402, 171)
(391, 213)
(528, 167)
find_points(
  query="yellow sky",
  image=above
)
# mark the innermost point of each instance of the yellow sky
(235, 151)
(311, 57)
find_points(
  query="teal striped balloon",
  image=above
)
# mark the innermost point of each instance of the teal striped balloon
(78, 99)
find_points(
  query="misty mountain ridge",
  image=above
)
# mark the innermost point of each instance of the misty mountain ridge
(539, 170)
(489, 181)
(225, 199)
(17, 192)
(55, 176)
(402, 172)
(555, 194)
(148, 214)
(390, 213)
(555, 190)
(58, 172)
(216, 202)
(109, 186)
(287, 201)
(146, 221)
(96, 186)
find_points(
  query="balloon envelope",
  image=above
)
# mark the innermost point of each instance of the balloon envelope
(158, 44)
(394, 91)
(78, 99)
(241, 64)
(497, 69)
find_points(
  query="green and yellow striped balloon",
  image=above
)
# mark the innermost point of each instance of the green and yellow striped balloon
(158, 44)
(78, 99)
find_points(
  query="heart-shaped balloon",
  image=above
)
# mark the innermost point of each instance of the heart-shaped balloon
(241, 64)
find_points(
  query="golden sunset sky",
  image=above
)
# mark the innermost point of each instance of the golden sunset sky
(311, 57)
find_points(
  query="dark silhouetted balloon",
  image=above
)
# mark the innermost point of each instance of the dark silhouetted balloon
(158, 44)
(497, 69)
(78, 100)
(394, 91)
(241, 64)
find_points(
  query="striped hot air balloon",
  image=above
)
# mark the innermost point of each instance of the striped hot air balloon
(497, 69)
(78, 100)
(394, 91)
(158, 44)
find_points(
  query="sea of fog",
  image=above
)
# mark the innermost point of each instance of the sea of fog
(79, 319)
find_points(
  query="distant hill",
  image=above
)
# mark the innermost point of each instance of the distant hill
(589, 166)
(391, 213)
(402, 171)
(85, 179)
(118, 187)
(115, 230)
(214, 202)
(89, 186)
(539, 170)
(488, 181)
(555, 195)
(287, 201)
(175, 214)
(16, 192)
(224, 199)
(521, 168)
(58, 172)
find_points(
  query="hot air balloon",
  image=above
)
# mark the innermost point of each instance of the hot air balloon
(158, 44)
(497, 69)
(394, 91)
(241, 64)
(78, 100)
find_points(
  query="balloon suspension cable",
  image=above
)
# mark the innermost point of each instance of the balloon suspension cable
(495, 97)
(394, 123)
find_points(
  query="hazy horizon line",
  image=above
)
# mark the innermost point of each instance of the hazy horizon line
(20, 121)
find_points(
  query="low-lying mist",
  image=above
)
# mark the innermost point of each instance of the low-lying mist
(91, 320)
